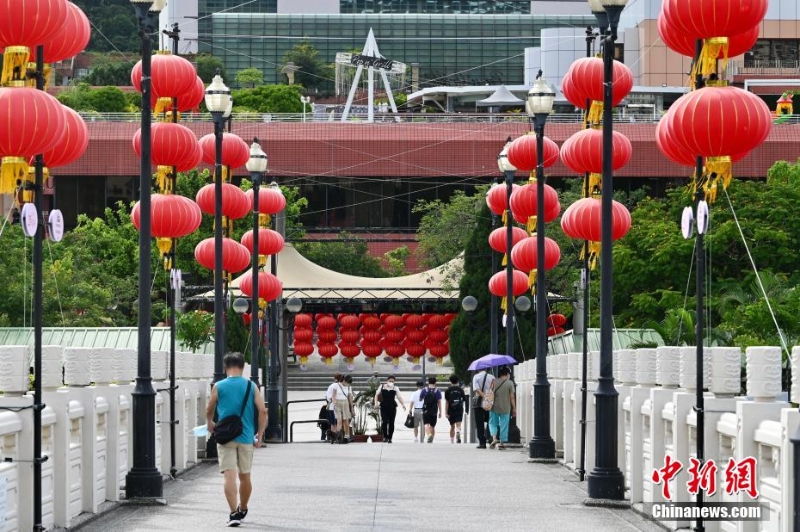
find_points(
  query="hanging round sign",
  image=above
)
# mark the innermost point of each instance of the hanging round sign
(56, 221)
(29, 219)
(687, 222)
(702, 217)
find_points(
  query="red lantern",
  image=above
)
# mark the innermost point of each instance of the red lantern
(437, 321)
(667, 145)
(269, 242)
(371, 350)
(269, 287)
(33, 121)
(303, 334)
(552, 331)
(302, 320)
(235, 151)
(31, 22)
(172, 145)
(370, 336)
(586, 81)
(522, 153)
(326, 323)
(349, 350)
(582, 220)
(303, 349)
(583, 151)
(72, 144)
(172, 216)
(235, 256)
(439, 336)
(371, 322)
(684, 45)
(416, 335)
(326, 336)
(439, 350)
(719, 121)
(524, 255)
(350, 321)
(72, 39)
(349, 335)
(394, 350)
(523, 202)
(717, 18)
(569, 93)
(497, 284)
(270, 200)
(234, 201)
(327, 350)
(557, 320)
(393, 321)
(415, 321)
(415, 350)
(171, 76)
(497, 239)
(496, 198)
(394, 336)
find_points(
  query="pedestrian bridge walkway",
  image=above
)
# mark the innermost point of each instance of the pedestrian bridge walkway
(377, 486)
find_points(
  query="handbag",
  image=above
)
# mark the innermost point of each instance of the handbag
(488, 398)
(230, 427)
(409, 421)
(477, 400)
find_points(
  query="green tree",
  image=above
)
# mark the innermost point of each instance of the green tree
(469, 334)
(396, 259)
(445, 227)
(270, 99)
(194, 329)
(312, 71)
(351, 257)
(237, 336)
(116, 74)
(251, 77)
(108, 100)
(207, 66)
(114, 25)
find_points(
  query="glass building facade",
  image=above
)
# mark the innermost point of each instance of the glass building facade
(475, 7)
(450, 49)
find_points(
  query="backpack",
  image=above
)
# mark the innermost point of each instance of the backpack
(429, 402)
(456, 398)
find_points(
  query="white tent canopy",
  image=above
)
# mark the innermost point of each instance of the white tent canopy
(304, 279)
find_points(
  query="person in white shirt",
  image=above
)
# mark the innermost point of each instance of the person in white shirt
(416, 404)
(330, 397)
(482, 382)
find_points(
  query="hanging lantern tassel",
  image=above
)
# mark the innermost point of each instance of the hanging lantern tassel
(722, 167)
(530, 227)
(505, 217)
(595, 114)
(532, 177)
(532, 281)
(12, 174)
(15, 66)
(594, 254)
(503, 303)
(714, 49)
(264, 220)
(161, 105)
(163, 178)
(595, 182)
(505, 259)
(328, 361)
(164, 249)
(225, 172)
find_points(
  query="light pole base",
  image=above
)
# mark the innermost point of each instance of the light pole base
(274, 434)
(144, 484)
(606, 484)
(543, 448)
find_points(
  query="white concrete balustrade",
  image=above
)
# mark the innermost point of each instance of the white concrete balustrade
(87, 427)
(657, 397)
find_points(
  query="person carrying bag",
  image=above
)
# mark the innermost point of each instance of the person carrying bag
(230, 427)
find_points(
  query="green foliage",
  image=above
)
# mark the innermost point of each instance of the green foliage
(116, 20)
(237, 336)
(251, 77)
(117, 74)
(194, 329)
(352, 258)
(312, 71)
(445, 226)
(396, 260)
(82, 97)
(270, 99)
(207, 66)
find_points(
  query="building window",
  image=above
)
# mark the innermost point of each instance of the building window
(774, 53)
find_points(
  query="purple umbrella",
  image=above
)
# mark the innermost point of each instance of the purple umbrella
(491, 361)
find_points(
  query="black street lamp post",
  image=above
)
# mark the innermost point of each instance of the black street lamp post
(542, 446)
(257, 165)
(144, 479)
(606, 480)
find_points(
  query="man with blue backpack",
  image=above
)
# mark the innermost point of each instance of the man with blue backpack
(431, 407)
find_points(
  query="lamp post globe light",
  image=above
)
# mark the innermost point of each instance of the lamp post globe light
(143, 481)
(606, 480)
(469, 304)
(256, 165)
(218, 100)
(540, 105)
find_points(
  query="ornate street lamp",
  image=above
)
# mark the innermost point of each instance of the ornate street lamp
(144, 479)
(508, 173)
(542, 446)
(218, 99)
(274, 430)
(606, 480)
(256, 165)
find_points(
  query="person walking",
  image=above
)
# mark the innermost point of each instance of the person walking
(431, 407)
(482, 382)
(237, 396)
(330, 399)
(374, 382)
(454, 399)
(387, 397)
(505, 407)
(415, 403)
(342, 406)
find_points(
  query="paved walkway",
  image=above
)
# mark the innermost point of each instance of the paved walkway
(383, 487)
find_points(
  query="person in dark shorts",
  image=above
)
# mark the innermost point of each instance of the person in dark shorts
(431, 407)
(387, 397)
(454, 401)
